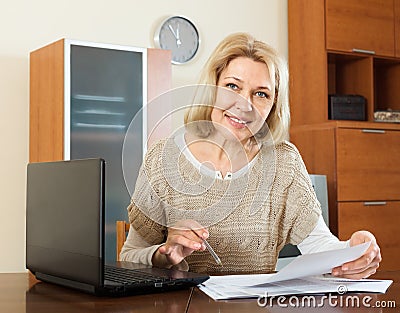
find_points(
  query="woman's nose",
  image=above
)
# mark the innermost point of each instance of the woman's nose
(243, 102)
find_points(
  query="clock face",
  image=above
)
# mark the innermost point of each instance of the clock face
(179, 35)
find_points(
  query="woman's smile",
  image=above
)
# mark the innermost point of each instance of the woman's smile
(236, 122)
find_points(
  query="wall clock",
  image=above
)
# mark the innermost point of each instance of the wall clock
(181, 36)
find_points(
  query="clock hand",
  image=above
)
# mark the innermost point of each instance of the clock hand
(173, 32)
(178, 39)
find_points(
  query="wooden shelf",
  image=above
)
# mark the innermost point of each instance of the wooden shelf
(352, 74)
(386, 84)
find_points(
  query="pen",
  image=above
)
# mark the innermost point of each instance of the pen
(210, 249)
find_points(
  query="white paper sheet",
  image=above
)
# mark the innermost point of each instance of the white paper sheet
(319, 263)
(302, 276)
(307, 285)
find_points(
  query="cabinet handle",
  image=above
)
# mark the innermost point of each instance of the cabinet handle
(375, 203)
(364, 51)
(373, 131)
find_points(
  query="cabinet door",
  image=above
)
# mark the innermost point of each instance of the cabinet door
(367, 164)
(360, 24)
(106, 96)
(381, 219)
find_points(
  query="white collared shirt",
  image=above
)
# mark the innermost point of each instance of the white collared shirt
(205, 170)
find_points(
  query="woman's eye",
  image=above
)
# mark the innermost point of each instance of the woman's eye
(232, 86)
(262, 94)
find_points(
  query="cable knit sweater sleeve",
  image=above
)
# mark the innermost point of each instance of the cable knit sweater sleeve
(301, 199)
(146, 234)
(146, 212)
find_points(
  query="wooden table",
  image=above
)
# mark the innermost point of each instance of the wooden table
(23, 293)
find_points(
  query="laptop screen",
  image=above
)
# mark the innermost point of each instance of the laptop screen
(65, 219)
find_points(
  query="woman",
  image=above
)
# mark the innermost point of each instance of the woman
(231, 177)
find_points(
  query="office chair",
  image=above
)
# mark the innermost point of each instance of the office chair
(122, 228)
(289, 251)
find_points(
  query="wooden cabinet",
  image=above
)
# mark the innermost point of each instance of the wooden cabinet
(360, 161)
(367, 164)
(372, 216)
(359, 158)
(360, 25)
(84, 97)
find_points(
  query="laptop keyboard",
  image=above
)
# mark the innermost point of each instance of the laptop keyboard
(130, 276)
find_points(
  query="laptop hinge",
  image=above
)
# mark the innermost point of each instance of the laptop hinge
(65, 282)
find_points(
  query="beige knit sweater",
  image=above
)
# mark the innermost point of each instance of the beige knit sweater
(249, 218)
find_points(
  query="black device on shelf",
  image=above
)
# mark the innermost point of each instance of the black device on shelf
(347, 107)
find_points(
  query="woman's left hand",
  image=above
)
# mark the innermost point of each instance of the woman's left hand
(365, 265)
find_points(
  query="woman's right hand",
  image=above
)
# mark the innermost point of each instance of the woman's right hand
(183, 239)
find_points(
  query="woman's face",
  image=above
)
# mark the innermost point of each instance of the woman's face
(244, 102)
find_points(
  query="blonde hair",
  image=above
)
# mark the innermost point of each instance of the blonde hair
(244, 45)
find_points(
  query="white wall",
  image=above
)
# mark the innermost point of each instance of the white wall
(26, 25)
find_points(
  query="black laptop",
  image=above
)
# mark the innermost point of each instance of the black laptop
(65, 209)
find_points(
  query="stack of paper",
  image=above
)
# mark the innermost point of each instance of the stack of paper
(304, 275)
